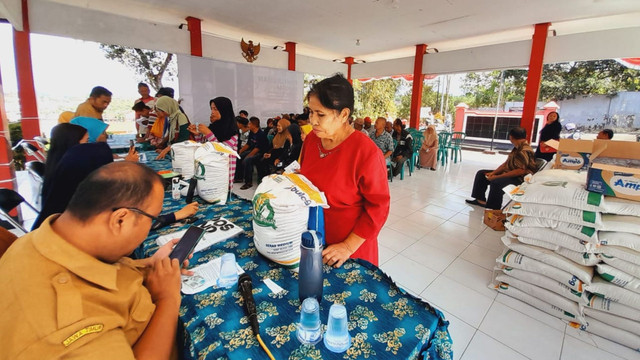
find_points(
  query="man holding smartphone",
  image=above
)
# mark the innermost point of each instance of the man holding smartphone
(70, 291)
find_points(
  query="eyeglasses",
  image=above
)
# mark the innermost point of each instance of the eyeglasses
(136, 210)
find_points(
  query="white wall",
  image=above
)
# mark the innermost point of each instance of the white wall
(264, 92)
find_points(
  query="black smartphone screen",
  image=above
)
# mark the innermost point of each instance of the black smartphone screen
(186, 244)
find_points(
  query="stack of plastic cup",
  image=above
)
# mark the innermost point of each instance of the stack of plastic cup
(309, 328)
(228, 271)
(337, 338)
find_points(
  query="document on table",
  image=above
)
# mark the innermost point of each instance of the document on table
(204, 276)
(217, 230)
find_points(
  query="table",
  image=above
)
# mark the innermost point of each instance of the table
(384, 321)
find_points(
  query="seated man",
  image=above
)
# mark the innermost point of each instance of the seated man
(382, 138)
(521, 161)
(358, 124)
(243, 135)
(606, 134)
(258, 145)
(71, 292)
(403, 148)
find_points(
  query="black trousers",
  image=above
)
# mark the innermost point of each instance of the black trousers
(480, 184)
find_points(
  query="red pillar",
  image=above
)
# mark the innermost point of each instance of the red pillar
(458, 124)
(534, 77)
(24, 71)
(349, 61)
(290, 47)
(196, 35)
(7, 170)
(416, 92)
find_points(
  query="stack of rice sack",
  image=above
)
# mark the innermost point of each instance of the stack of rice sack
(573, 254)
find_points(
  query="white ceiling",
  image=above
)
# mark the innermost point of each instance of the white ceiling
(329, 28)
(387, 29)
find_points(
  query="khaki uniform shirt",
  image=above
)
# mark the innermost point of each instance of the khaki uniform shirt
(59, 302)
(86, 109)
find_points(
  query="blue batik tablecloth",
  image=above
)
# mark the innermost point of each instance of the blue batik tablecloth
(384, 321)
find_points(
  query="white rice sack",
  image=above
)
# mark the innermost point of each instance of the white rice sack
(621, 253)
(556, 212)
(544, 283)
(182, 158)
(556, 192)
(585, 233)
(212, 171)
(612, 307)
(516, 293)
(614, 334)
(545, 295)
(548, 257)
(572, 176)
(512, 259)
(612, 292)
(629, 268)
(280, 214)
(582, 258)
(622, 223)
(613, 320)
(628, 240)
(550, 237)
(618, 206)
(618, 277)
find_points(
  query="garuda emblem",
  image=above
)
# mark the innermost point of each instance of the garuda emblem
(249, 51)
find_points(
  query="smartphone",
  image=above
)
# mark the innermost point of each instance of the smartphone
(187, 243)
(132, 145)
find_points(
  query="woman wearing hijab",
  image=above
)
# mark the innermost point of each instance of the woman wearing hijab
(63, 137)
(76, 164)
(96, 128)
(550, 131)
(222, 128)
(273, 160)
(176, 123)
(429, 149)
(296, 146)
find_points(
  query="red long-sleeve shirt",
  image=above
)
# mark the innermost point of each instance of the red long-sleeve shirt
(353, 177)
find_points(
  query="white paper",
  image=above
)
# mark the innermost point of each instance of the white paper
(293, 167)
(204, 276)
(275, 288)
(217, 230)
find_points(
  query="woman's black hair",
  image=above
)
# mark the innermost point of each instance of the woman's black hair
(334, 93)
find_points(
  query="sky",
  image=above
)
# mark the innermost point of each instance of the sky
(68, 66)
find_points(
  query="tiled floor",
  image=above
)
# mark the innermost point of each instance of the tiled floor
(436, 246)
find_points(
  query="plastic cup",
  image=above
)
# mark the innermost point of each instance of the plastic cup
(337, 338)
(309, 327)
(228, 271)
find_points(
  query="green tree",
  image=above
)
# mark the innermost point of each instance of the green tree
(375, 98)
(153, 65)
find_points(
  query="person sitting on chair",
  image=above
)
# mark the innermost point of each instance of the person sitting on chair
(521, 161)
(403, 148)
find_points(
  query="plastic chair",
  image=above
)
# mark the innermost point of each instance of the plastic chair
(457, 138)
(270, 138)
(415, 155)
(444, 138)
(540, 164)
(9, 200)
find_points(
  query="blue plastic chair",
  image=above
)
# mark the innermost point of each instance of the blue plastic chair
(455, 144)
(444, 138)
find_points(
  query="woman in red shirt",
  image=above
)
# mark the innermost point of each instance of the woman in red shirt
(351, 171)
